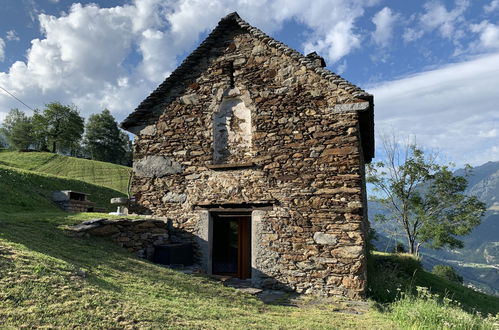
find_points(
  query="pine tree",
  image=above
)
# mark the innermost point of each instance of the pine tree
(104, 141)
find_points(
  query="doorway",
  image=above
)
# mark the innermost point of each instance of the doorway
(232, 245)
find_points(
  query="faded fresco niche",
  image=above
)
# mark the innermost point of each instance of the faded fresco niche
(232, 130)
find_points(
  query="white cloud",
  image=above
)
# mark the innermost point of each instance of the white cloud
(2, 50)
(384, 21)
(447, 22)
(453, 108)
(492, 6)
(411, 34)
(11, 35)
(80, 59)
(489, 35)
(83, 56)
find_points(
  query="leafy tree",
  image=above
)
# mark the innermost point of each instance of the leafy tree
(105, 141)
(17, 128)
(447, 272)
(11, 119)
(425, 199)
(60, 127)
(3, 140)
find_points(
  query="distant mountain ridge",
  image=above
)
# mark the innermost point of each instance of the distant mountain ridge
(478, 261)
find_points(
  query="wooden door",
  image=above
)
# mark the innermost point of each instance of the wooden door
(244, 243)
(232, 245)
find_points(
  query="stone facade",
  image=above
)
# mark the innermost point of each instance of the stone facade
(246, 123)
(137, 236)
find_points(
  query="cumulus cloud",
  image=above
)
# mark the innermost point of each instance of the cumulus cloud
(453, 108)
(489, 35)
(114, 57)
(492, 6)
(11, 35)
(80, 58)
(384, 21)
(445, 21)
(411, 34)
(2, 50)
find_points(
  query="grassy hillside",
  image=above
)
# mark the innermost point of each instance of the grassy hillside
(25, 191)
(50, 280)
(100, 173)
(396, 273)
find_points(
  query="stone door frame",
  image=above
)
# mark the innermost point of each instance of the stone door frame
(205, 239)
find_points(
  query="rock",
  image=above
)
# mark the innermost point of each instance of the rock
(119, 200)
(156, 166)
(148, 130)
(326, 239)
(172, 197)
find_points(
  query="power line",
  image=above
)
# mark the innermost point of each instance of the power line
(17, 98)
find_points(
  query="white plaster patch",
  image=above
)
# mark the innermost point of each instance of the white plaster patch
(231, 130)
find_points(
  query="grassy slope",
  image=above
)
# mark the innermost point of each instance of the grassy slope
(396, 273)
(22, 190)
(100, 173)
(50, 280)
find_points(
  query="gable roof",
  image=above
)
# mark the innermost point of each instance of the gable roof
(147, 111)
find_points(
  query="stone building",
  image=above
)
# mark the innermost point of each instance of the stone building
(256, 154)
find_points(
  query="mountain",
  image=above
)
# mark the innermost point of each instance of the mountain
(478, 261)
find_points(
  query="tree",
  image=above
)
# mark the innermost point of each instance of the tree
(59, 126)
(425, 199)
(447, 272)
(17, 128)
(104, 140)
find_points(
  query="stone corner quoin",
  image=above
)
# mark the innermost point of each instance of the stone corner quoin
(247, 126)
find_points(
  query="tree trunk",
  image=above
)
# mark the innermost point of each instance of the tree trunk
(54, 146)
(410, 241)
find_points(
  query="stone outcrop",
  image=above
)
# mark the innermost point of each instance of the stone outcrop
(311, 134)
(137, 236)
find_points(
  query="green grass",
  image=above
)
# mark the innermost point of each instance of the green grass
(50, 280)
(405, 293)
(22, 190)
(99, 173)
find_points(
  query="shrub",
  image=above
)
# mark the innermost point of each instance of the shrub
(430, 311)
(447, 272)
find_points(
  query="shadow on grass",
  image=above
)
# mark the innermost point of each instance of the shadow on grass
(103, 261)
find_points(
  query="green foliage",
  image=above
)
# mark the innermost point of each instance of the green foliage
(104, 141)
(18, 130)
(424, 198)
(60, 127)
(447, 272)
(425, 310)
(392, 276)
(94, 172)
(400, 248)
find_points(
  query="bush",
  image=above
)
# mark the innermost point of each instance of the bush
(400, 248)
(430, 311)
(447, 272)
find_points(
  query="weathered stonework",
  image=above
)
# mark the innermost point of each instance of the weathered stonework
(311, 133)
(137, 236)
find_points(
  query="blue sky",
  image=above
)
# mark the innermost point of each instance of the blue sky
(433, 66)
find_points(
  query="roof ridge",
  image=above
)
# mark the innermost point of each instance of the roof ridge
(257, 33)
(303, 59)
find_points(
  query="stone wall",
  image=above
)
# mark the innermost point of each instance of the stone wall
(305, 158)
(137, 236)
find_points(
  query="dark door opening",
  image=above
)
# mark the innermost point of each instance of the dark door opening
(232, 245)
